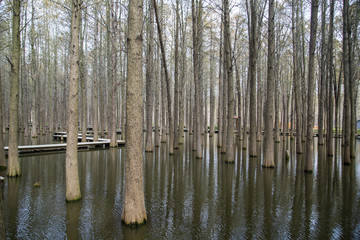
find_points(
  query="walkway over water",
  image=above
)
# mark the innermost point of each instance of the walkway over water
(61, 136)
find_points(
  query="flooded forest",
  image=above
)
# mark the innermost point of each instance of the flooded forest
(171, 119)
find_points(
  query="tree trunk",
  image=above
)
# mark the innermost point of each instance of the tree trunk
(182, 86)
(347, 107)
(83, 82)
(220, 100)
(268, 151)
(134, 211)
(176, 75)
(330, 116)
(157, 100)
(2, 152)
(167, 80)
(72, 173)
(229, 71)
(252, 73)
(95, 73)
(311, 88)
(296, 79)
(212, 92)
(113, 34)
(322, 75)
(13, 162)
(149, 79)
(33, 75)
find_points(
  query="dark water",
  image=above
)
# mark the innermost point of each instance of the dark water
(188, 198)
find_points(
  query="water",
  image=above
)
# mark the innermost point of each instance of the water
(188, 198)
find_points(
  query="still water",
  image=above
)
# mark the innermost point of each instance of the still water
(188, 198)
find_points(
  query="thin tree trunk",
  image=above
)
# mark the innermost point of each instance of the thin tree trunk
(83, 82)
(33, 74)
(347, 107)
(13, 157)
(134, 211)
(322, 75)
(311, 88)
(95, 73)
(212, 92)
(2, 152)
(176, 75)
(167, 79)
(220, 100)
(72, 173)
(149, 79)
(157, 99)
(330, 116)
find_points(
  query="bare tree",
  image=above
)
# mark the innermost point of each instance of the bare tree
(71, 164)
(311, 88)
(134, 211)
(13, 162)
(268, 148)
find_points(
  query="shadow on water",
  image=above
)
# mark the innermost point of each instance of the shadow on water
(187, 197)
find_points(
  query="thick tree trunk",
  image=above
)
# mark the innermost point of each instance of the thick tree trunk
(311, 88)
(13, 157)
(268, 152)
(134, 211)
(72, 173)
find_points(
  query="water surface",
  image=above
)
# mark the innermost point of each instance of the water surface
(188, 198)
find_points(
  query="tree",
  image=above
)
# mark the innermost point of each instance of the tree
(347, 107)
(14, 165)
(149, 79)
(268, 147)
(330, 116)
(177, 128)
(134, 205)
(2, 152)
(95, 75)
(311, 88)
(72, 173)
(322, 75)
(252, 77)
(229, 71)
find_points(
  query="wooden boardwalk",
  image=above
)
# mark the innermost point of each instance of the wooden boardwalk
(89, 144)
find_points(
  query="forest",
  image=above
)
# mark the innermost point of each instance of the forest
(180, 73)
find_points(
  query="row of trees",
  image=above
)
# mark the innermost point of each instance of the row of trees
(206, 65)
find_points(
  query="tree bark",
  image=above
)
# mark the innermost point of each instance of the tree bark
(134, 211)
(330, 116)
(2, 152)
(252, 73)
(311, 88)
(268, 152)
(149, 79)
(72, 173)
(230, 158)
(95, 73)
(177, 128)
(347, 107)
(33, 74)
(212, 92)
(322, 75)
(220, 99)
(13, 157)
(167, 80)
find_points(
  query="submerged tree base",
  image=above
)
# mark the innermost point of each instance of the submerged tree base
(73, 200)
(134, 224)
(270, 166)
(229, 161)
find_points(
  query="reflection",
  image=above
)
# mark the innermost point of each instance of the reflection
(134, 233)
(2, 220)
